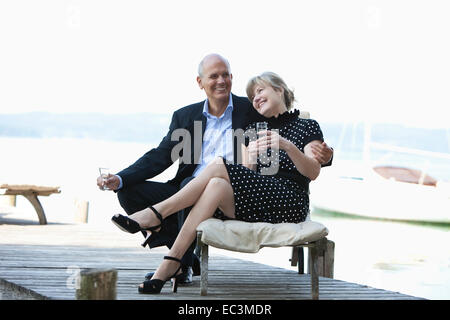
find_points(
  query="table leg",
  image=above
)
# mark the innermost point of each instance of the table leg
(37, 206)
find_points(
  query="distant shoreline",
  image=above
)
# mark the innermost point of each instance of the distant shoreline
(151, 127)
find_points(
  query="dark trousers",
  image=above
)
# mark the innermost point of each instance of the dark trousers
(148, 193)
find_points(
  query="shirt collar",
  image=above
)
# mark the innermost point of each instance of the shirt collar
(228, 109)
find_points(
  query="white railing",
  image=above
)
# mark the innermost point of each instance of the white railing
(382, 146)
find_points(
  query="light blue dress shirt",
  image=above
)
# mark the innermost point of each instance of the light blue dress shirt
(218, 136)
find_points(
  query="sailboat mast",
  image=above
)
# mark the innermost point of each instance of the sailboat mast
(366, 145)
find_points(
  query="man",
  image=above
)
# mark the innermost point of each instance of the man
(220, 112)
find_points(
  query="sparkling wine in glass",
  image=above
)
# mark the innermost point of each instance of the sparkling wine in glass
(104, 173)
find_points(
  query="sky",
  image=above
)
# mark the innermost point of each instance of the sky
(360, 60)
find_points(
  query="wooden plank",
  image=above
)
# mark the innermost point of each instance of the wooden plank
(18, 188)
(220, 286)
(49, 269)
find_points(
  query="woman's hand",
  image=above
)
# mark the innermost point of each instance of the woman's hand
(252, 152)
(266, 140)
(271, 139)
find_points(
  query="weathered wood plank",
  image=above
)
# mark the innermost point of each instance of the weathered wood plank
(48, 270)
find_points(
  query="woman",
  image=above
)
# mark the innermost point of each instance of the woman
(222, 189)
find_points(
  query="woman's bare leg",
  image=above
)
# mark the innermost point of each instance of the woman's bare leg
(217, 194)
(184, 198)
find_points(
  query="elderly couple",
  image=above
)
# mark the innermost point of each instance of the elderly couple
(216, 184)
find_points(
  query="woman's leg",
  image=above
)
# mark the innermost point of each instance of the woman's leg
(184, 198)
(217, 194)
(140, 196)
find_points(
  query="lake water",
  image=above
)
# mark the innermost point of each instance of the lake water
(409, 258)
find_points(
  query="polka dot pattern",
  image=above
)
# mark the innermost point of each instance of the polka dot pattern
(260, 197)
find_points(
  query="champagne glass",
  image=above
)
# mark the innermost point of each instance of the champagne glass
(261, 126)
(104, 173)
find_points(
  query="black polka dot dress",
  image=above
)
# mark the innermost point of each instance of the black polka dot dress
(266, 196)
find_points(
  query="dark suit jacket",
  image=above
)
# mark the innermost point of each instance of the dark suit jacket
(159, 159)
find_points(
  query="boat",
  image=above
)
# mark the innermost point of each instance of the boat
(366, 189)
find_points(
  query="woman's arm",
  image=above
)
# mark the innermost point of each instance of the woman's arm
(305, 162)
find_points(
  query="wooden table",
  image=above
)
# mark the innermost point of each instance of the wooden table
(30, 192)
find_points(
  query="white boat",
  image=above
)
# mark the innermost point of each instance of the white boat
(364, 192)
(362, 188)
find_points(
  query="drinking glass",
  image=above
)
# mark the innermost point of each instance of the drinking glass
(104, 172)
(261, 126)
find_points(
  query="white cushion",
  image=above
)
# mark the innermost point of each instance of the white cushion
(249, 237)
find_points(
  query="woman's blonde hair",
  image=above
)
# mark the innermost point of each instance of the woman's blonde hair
(273, 80)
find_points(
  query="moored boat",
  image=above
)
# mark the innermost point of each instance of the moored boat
(382, 192)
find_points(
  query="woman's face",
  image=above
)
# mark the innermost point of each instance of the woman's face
(268, 101)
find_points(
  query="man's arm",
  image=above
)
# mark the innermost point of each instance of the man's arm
(322, 153)
(154, 161)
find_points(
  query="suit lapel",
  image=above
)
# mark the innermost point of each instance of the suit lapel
(239, 115)
(239, 120)
(196, 141)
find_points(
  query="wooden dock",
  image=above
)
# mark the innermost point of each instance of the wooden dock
(43, 261)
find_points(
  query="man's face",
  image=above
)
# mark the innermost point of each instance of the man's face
(216, 79)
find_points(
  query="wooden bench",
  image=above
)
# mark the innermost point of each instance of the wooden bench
(249, 237)
(30, 192)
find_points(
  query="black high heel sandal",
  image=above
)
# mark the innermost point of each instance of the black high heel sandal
(129, 225)
(179, 277)
(154, 286)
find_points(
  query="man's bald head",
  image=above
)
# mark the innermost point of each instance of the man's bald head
(211, 58)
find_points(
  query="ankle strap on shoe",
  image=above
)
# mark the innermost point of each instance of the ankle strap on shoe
(157, 214)
(172, 258)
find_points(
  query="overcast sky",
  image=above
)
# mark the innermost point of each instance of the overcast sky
(353, 60)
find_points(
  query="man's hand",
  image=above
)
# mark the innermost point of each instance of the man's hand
(110, 183)
(322, 152)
